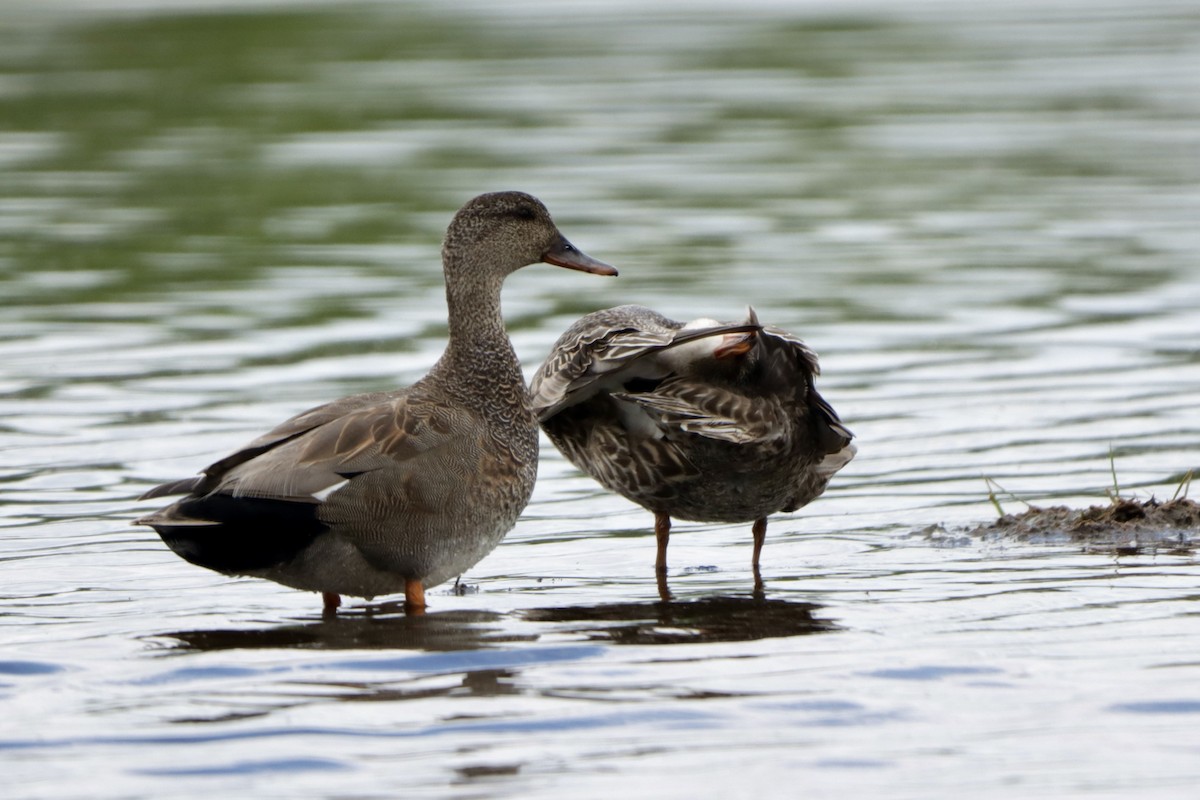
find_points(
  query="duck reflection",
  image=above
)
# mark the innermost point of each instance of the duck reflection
(665, 621)
(377, 627)
(710, 619)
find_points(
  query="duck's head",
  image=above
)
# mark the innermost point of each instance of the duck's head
(504, 231)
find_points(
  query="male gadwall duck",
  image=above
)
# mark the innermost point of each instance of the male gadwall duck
(397, 491)
(708, 421)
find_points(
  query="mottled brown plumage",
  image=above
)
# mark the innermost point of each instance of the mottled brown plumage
(391, 491)
(713, 422)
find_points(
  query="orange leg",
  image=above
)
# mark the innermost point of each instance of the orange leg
(414, 596)
(331, 600)
(662, 533)
(760, 535)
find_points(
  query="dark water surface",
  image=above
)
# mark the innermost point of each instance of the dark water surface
(983, 216)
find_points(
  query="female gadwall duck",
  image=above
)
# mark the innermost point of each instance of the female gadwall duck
(706, 421)
(391, 491)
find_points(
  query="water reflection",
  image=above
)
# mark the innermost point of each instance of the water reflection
(710, 619)
(664, 588)
(382, 627)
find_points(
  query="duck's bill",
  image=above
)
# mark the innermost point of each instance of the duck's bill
(735, 344)
(564, 254)
(736, 339)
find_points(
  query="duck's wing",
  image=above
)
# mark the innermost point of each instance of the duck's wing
(712, 411)
(353, 464)
(832, 435)
(606, 349)
(788, 360)
(593, 349)
(314, 457)
(304, 422)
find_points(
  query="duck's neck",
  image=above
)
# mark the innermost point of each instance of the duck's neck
(480, 355)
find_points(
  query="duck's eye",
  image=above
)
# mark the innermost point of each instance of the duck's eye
(524, 212)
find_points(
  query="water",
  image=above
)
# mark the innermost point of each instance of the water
(983, 217)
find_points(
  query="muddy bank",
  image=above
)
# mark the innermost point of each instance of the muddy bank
(1125, 524)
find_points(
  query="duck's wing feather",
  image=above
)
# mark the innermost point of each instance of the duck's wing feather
(714, 412)
(312, 457)
(604, 349)
(302, 423)
(594, 347)
(833, 435)
(389, 436)
(788, 360)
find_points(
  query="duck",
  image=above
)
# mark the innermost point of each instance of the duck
(391, 491)
(702, 421)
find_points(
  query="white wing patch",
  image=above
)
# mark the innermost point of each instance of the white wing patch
(323, 495)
